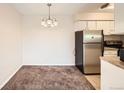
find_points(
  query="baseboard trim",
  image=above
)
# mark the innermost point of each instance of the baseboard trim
(2, 85)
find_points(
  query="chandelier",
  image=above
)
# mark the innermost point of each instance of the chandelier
(49, 21)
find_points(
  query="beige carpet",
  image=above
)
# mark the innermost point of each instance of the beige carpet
(48, 78)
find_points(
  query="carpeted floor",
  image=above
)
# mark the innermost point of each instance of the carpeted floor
(48, 78)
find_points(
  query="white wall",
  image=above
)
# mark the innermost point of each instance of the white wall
(10, 42)
(48, 46)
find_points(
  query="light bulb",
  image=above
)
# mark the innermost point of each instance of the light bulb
(43, 22)
(55, 23)
(49, 21)
(45, 25)
(52, 25)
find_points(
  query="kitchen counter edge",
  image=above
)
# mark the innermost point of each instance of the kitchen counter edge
(115, 60)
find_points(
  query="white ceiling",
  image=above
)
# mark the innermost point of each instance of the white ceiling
(57, 8)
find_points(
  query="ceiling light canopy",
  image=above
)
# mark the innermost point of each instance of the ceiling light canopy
(49, 21)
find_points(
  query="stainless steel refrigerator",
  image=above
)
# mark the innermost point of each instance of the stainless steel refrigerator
(88, 49)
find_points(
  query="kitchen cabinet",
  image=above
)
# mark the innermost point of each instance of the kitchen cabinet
(106, 26)
(80, 25)
(92, 25)
(112, 26)
(119, 18)
(111, 75)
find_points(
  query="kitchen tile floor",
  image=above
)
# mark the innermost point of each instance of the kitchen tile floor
(94, 80)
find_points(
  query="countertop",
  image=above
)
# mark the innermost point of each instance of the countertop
(113, 60)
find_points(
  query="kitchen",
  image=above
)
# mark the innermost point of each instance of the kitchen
(113, 40)
(82, 49)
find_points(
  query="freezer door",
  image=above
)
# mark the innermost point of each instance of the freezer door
(92, 36)
(91, 61)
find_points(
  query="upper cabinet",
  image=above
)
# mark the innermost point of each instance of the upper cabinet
(119, 18)
(92, 25)
(106, 26)
(112, 26)
(80, 25)
(103, 25)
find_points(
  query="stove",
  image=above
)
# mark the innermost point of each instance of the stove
(112, 47)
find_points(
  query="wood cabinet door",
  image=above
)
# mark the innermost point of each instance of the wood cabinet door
(111, 27)
(105, 26)
(92, 25)
(80, 25)
(119, 18)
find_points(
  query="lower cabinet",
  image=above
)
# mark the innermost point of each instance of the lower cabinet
(111, 76)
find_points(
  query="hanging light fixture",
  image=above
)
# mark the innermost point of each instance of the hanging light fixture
(49, 21)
